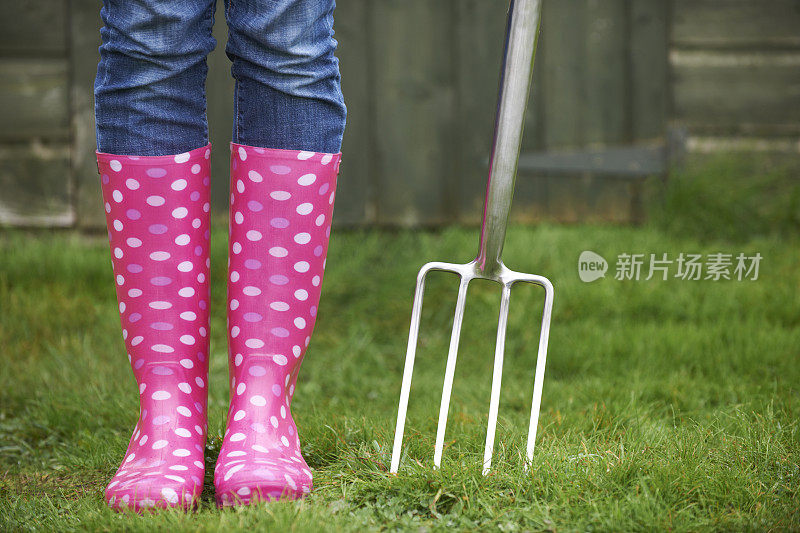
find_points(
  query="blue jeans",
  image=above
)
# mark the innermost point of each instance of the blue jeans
(150, 86)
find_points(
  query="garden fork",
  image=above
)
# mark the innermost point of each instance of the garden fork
(519, 50)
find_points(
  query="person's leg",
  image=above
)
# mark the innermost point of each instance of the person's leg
(284, 164)
(149, 101)
(150, 85)
(287, 93)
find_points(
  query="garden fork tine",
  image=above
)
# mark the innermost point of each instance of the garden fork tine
(520, 47)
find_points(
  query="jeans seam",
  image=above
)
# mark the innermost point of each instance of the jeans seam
(210, 26)
(103, 82)
(237, 86)
(105, 69)
(237, 109)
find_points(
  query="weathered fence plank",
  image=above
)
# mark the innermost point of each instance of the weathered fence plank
(648, 50)
(22, 28)
(34, 99)
(84, 39)
(414, 81)
(608, 91)
(355, 202)
(564, 39)
(480, 28)
(736, 67)
(710, 24)
(564, 72)
(42, 198)
(605, 63)
(740, 93)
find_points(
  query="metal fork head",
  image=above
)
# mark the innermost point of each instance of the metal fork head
(518, 54)
(468, 272)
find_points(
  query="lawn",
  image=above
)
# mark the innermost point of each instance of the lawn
(667, 404)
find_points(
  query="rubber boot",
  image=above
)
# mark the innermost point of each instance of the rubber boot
(158, 226)
(281, 207)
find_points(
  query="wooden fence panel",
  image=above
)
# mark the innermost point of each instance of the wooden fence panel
(564, 70)
(414, 109)
(581, 92)
(23, 24)
(648, 49)
(751, 94)
(605, 63)
(35, 186)
(355, 197)
(35, 182)
(479, 27)
(607, 108)
(736, 67)
(729, 24)
(563, 75)
(35, 99)
(84, 34)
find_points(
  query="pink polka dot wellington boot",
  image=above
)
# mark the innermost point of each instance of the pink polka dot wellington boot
(157, 214)
(281, 207)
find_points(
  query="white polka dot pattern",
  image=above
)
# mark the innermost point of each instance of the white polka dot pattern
(155, 208)
(277, 252)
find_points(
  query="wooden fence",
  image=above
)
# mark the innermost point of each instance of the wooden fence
(612, 79)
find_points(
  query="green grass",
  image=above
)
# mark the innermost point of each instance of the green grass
(667, 404)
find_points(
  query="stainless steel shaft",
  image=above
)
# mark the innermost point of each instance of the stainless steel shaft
(524, 17)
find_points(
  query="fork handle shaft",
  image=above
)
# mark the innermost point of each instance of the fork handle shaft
(515, 80)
